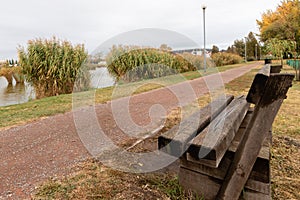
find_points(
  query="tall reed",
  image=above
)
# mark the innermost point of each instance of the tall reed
(132, 63)
(223, 58)
(54, 67)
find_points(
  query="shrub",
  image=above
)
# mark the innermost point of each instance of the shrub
(135, 63)
(7, 72)
(223, 58)
(18, 74)
(52, 66)
(196, 60)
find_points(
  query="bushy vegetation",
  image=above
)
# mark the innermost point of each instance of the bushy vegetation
(131, 63)
(54, 67)
(18, 74)
(7, 72)
(223, 58)
(10, 69)
(197, 61)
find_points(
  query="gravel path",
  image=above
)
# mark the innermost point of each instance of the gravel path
(34, 152)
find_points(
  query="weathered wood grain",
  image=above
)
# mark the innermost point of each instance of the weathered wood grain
(210, 146)
(258, 85)
(204, 186)
(207, 187)
(252, 195)
(219, 173)
(275, 69)
(174, 141)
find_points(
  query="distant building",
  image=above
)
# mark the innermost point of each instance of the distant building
(194, 51)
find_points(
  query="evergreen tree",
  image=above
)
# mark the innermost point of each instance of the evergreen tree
(215, 49)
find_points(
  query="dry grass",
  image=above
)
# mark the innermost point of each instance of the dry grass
(285, 160)
(91, 180)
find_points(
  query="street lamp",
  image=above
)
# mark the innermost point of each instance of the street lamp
(204, 48)
(259, 45)
(245, 49)
(255, 51)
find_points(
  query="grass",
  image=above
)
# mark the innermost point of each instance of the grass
(285, 160)
(91, 180)
(35, 109)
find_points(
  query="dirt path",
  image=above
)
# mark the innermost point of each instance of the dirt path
(34, 152)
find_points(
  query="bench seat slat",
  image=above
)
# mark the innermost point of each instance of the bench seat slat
(174, 141)
(211, 145)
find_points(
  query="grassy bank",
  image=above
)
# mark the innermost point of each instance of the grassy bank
(91, 180)
(35, 109)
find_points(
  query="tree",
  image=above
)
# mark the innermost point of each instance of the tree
(215, 49)
(278, 47)
(231, 49)
(283, 23)
(165, 47)
(252, 45)
(239, 47)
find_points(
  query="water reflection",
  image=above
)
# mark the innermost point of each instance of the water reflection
(15, 93)
(101, 78)
(20, 93)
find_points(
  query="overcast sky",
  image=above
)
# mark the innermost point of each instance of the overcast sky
(93, 22)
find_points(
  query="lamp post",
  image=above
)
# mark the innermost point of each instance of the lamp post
(204, 48)
(255, 51)
(259, 45)
(245, 49)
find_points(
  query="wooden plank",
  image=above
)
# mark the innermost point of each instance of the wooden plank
(263, 153)
(219, 173)
(275, 69)
(207, 187)
(260, 170)
(247, 118)
(210, 146)
(258, 85)
(252, 195)
(202, 185)
(264, 114)
(174, 141)
(259, 179)
(257, 186)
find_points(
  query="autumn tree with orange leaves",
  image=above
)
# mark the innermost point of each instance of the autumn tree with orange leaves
(282, 24)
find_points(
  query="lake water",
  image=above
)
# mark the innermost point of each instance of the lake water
(21, 93)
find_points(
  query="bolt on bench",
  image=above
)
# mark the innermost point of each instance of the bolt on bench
(224, 148)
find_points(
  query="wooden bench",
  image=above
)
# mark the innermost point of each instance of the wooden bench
(224, 147)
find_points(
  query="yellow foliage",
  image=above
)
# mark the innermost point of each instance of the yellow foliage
(283, 23)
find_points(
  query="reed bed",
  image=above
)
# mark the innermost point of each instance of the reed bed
(132, 63)
(54, 67)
